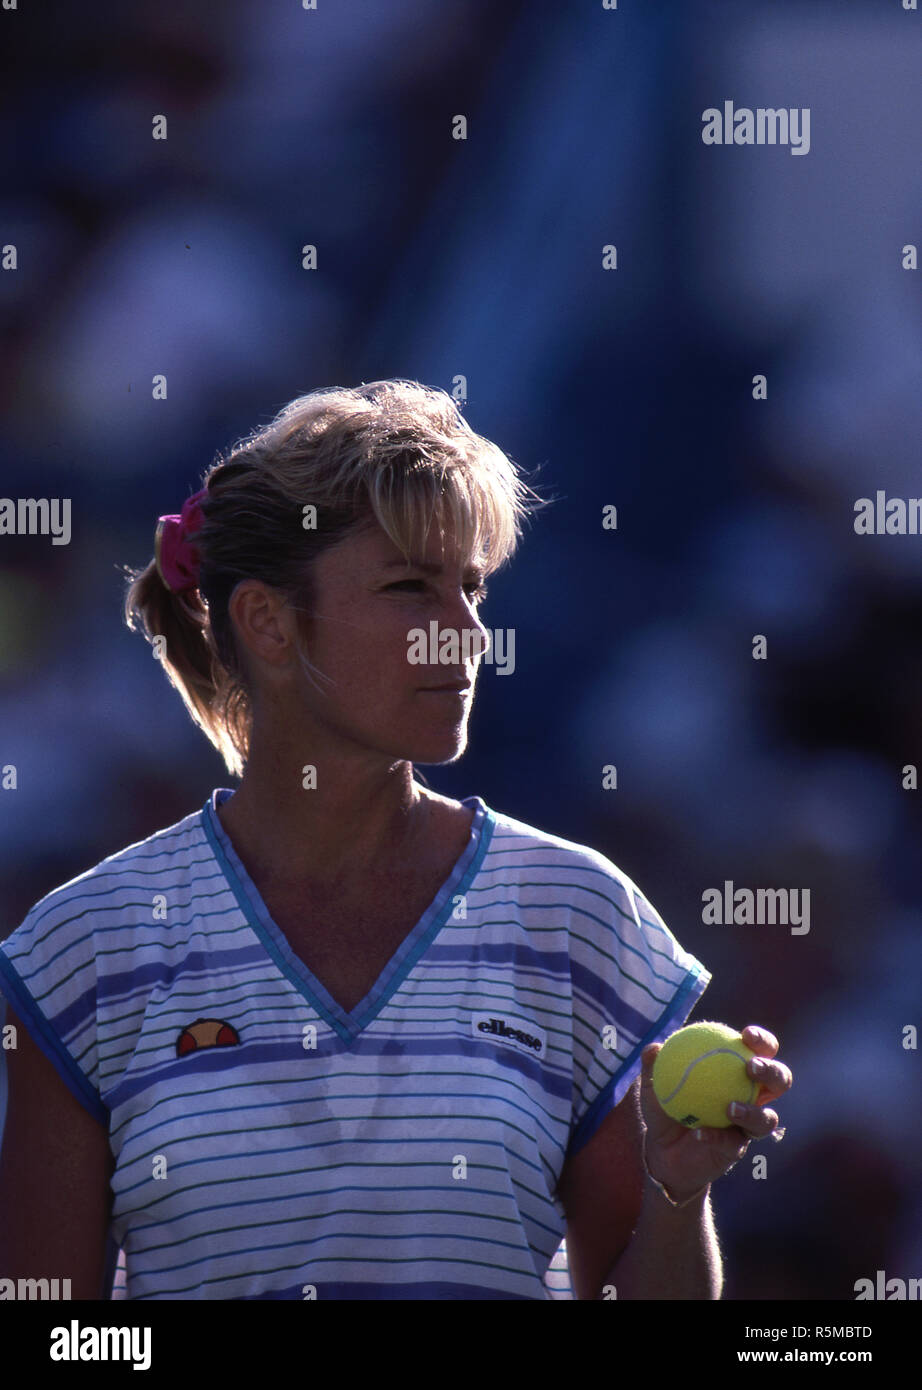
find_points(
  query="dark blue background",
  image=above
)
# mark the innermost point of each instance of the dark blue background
(483, 258)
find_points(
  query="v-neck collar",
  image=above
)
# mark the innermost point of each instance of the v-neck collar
(347, 1024)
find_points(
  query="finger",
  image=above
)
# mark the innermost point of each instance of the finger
(774, 1078)
(654, 1116)
(647, 1058)
(732, 1143)
(760, 1040)
(755, 1120)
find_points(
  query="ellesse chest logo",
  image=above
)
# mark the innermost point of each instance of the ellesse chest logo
(515, 1032)
(206, 1032)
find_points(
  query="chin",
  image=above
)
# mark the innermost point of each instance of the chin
(437, 750)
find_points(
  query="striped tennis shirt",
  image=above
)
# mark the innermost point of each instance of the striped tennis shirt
(269, 1145)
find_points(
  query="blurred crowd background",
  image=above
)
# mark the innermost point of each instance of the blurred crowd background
(482, 259)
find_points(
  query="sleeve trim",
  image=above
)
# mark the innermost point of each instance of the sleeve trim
(45, 1038)
(680, 1006)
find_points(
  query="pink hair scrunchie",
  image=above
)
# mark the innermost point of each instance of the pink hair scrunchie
(176, 557)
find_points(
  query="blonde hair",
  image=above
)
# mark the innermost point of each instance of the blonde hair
(392, 452)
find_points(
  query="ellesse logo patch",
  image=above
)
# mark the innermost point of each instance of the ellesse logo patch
(206, 1032)
(515, 1032)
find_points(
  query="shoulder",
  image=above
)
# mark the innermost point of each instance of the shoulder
(521, 835)
(527, 849)
(84, 957)
(510, 836)
(112, 886)
(611, 928)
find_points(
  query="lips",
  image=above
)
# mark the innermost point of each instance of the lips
(458, 687)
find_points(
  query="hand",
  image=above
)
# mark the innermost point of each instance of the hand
(684, 1163)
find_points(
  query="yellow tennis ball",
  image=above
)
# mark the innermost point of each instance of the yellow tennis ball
(699, 1070)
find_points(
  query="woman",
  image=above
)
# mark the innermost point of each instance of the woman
(335, 1035)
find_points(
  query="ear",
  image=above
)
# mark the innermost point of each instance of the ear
(264, 624)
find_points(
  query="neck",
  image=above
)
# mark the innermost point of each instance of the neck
(361, 811)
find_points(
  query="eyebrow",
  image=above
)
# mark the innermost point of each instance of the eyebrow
(428, 568)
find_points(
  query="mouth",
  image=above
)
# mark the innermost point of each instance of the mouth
(449, 688)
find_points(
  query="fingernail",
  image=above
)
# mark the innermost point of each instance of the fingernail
(759, 1065)
(736, 1109)
(699, 1135)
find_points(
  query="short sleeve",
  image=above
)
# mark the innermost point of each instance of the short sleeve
(633, 985)
(48, 977)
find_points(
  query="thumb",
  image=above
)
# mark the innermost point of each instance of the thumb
(653, 1114)
(647, 1058)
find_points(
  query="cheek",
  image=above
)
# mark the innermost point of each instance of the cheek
(371, 655)
(388, 637)
(362, 644)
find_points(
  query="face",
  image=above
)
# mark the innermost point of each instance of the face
(368, 602)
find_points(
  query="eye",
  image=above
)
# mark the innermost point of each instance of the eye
(476, 590)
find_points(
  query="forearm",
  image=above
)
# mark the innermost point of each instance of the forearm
(673, 1253)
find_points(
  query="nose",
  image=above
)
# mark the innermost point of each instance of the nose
(464, 619)
(473, 645)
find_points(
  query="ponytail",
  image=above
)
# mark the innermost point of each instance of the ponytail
(178, 628)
